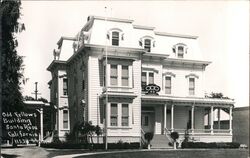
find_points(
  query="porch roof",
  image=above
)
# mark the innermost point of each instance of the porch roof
(197, 101)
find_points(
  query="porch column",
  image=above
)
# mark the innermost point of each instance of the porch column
(230, 120)
(41, 124)
(172, 118)
(192, 119)
(212, 120)
(165, 117)
(218, 118)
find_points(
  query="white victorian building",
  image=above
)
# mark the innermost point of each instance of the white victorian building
(132, 79)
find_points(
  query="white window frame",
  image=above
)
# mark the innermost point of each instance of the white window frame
(176, 50)
(119, 115)
(172, 76)
(196, 77)
(66, 120)
(152, 42)
(120, 38)
(67, 87)
(119, 75)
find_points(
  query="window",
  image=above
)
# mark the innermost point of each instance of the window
(65, 119)
(151, 78)
(83, 81)
(125, 75)
(145, 121)
(191, 86)
(115, 38)
(125, 114)
(113, 115)
(113, 75)
(143, 80)
(147, 45)
(168, 85)
(180, 52)
(65, 86)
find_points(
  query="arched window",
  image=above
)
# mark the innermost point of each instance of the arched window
(180, 49)
(147, 45)
(115, 35)
(115, 38)
(147, 42)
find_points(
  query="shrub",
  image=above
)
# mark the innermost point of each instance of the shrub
(149, 136)
(209, 145)
(174, 135)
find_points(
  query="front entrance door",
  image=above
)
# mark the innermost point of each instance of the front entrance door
(147, 121)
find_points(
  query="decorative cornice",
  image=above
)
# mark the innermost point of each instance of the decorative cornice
(143, 27)
(150, 69)
(169, 74)
(192, 75)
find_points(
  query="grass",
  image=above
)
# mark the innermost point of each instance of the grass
(211, 153)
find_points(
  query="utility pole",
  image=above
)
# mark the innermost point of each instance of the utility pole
(36, 91)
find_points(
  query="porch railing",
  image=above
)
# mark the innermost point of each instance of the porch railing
(203, 131)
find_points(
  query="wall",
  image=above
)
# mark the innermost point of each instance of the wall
(241, 125)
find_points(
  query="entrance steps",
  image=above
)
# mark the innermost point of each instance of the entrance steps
(160, 142)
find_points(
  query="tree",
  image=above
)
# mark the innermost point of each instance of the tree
(11, 62)
(217, 95)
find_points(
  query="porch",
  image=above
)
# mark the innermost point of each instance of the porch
(193, 116)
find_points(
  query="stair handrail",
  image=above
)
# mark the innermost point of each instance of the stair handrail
(167, 134)
(143, 141)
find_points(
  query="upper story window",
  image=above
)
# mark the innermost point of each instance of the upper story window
(115, 35)
(113, 75)
(65, 119)
(147, 45)
(191, 86)
(168, 85)
(125, 75)
(180, 49)
(147, 78)
(115, 38)
(147, 42)
(192, 83)
(65, 86)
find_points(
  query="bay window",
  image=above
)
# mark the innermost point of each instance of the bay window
(113, 115)
(113, 75)
(125, 115)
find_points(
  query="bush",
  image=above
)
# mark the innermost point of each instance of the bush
(174, 135)
(149, 136)
(67, 145)
(209, 145)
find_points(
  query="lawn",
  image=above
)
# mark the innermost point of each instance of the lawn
(213, 153)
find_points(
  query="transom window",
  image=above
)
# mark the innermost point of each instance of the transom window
(115, 38)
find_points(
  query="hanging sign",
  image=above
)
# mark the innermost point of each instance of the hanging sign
(152, 89)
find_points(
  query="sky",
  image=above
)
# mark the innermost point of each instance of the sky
(222, 27)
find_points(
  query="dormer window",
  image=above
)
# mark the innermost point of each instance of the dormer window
(147, 45)
(115, 35)
(147, 42)
(180, 49)
(115, 38)
(180, 52)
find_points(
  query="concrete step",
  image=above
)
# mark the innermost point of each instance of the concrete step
(160, 142)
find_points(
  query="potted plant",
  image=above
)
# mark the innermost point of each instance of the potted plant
(149, 136)
(174, 136)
